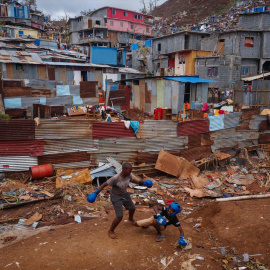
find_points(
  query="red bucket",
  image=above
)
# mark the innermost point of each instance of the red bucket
(41, 171)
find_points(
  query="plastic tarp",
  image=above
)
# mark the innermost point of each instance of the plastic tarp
(77, 100)
(11, 103)
(135, 46)
(62, 90)
(148, 43)
(189, 79)
(43, 100)
(216, 122)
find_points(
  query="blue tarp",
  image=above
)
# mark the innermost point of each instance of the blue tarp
(43, 100)
(216, 122)
(147, 43)
(62, 90)
(12, 103)
(135, 46)
(77, 100)
(189, 79)
(124, 57)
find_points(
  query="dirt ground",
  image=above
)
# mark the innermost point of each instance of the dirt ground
(240, 227)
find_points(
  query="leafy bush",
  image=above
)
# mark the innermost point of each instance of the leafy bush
(4, 116)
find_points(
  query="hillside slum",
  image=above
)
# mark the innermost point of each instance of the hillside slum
(216, 23)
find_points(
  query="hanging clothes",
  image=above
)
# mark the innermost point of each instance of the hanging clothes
(205, 107)
(135, 126)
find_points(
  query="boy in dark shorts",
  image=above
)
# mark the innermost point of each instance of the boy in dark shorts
(165, 216)
(119, 195)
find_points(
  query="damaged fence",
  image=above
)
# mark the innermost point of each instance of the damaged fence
(85, 143)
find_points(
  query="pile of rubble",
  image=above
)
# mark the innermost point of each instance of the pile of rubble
(61, 199)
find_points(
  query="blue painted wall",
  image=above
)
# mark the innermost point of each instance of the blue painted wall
(124, 57)
(103, 56)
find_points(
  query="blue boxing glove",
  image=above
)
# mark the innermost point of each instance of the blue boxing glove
(92, 197)
(161, 220)
(182, 241)
(148, 183)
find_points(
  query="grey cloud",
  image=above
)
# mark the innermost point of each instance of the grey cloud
(58, 8)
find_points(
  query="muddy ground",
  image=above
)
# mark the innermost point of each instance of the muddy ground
(240, 227)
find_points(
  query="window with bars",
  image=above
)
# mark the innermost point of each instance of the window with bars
(212, 72)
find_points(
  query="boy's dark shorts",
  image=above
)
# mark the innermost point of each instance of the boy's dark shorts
(120, 201)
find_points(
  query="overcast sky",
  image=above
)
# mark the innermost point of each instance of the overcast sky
(57, 8)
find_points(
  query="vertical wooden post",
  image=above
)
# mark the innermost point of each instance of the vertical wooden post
(184, 113)
(233, 97)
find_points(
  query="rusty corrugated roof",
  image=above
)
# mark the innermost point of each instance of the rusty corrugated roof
(22, 148)
(193, 127)
(17, 130)
(64, 129)
(111, 130)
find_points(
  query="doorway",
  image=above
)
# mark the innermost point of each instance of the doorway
(84, 76)
(187, 93)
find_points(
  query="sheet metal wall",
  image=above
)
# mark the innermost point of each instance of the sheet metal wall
(157, 129)
(64, 129)
(111, 130)
(193, 127)
(14, 130)
(17, 164)
(32, 148)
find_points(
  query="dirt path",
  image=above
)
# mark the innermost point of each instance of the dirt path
(87, 246)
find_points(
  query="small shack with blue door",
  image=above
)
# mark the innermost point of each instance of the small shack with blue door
(149, 93)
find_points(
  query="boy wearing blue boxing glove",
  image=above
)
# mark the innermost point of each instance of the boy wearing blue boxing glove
(165, 216)
(119, 195)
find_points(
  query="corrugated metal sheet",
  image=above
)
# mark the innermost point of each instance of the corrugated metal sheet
(120, 157)
(193, 127)
(157, 129)
(64, 158)
(265, 138)
(157, 144)
(120, 145)
(247, 113)
(111, 130)
(256, 121)
(17, 130)
(72, 165)
(194, 140)
(232, 119)
(264, 126)
(60, 101)
(216, 122)
(196, 153)
(64, 129)
(69, 146)
(17, 164)
(22, 148)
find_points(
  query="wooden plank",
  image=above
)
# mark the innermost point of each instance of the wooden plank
(9, 71)
(176, 166)
(51, 73)
(42, 72)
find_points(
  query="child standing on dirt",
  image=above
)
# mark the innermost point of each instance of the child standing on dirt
(165, 216)
(119, 195)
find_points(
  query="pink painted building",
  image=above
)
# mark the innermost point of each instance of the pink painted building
(128, 26)
(124, 20)
(110, 27)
